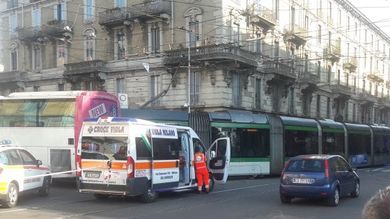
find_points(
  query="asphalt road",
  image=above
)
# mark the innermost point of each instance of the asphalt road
(239, 198)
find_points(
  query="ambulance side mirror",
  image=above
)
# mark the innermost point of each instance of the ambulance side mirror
(39, 163)
(212, 154)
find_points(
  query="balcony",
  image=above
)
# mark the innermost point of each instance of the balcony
(83, 68)
(148, 10)
(30, 34)
(375, 77)
(341, 90)
(333, 52)
(12, 79)
(367, 98)
(277, 67)
(57, 28)
(384, 102)
(222, 52)
(296, 34)
(264, 17)
(350, 64)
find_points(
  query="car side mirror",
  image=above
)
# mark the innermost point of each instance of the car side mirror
(39, 163)
(212, 154)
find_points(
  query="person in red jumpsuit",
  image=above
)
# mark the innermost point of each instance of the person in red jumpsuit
(202, 173)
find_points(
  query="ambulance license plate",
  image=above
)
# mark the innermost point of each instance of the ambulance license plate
(92, 174)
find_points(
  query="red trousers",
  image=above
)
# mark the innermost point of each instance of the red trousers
(202, 176)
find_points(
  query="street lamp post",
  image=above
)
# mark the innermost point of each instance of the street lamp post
(189, 76)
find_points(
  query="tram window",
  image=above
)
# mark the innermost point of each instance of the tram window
(300, 142)
(359, 144)
(381, 144)
(333, 143)
(248, 142)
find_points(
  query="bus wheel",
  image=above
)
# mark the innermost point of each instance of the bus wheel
(100, 196)
(149, 196)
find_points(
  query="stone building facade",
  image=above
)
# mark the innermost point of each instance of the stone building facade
(307, 58)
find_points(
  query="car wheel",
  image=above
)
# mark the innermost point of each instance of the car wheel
(12, 196)
(100, 196)
(45, 189)
(334, 199)
(285, 199)
(149, 196)
(356, 191)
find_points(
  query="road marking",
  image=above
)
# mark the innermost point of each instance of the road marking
(388, 170)
(15, 210)
(80, 214)
(374, 170)
(242, 188)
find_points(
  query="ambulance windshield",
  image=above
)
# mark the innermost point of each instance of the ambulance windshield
(104, 148)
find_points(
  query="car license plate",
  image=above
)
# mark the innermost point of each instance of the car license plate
(92, 174)
(303, 181)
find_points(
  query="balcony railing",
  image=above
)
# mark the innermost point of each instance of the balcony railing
(84, 67)
(296, 34)
(333, 52)
(340, 89)
(310, 78)
(280, 68)
(57, 28)
(29, 33)
(375, 77)
(214, 52)
(12, 76)
(264, 17)
(148, 10)
(350, 64)
(367, 97)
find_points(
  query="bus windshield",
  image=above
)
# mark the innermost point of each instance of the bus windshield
(104, 148)
(37, 113)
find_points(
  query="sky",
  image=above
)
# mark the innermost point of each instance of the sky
(378, 11)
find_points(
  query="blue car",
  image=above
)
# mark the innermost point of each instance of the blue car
(318, 176)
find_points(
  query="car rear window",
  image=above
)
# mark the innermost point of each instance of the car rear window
(305, 165)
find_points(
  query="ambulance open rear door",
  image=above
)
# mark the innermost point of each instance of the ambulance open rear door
(218, 159)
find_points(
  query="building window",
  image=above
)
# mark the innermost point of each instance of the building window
(36, 88)
(120, 44)
(59, 12)
(154, 37)
(292, 21)
(291, 100)
(319, 34)
(194, 35)
(89, 45)
(258, 94)
(12, 4)
(120, 85)
(36, 17)
(13, 22)
(89, 10)
(346, 109)
(194, 28)
(36, 57)
(354, 112)
(318, 106)
(14, 59)
(328, 107)
(195, 87)
(61, 53)
(61, 87)
(120, 3)
(155, 88)
(236, 89)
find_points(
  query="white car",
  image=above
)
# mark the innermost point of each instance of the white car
(20, 172)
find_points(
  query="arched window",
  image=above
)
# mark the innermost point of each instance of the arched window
(89, 44)
(14, 56)
(193, 18)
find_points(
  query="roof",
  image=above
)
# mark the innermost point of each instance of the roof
(296, 121)
(358, 128)
(53, 94)
(331, 126)
(239, 117)
(316, 156)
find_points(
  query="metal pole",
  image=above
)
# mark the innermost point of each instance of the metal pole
(189, 74)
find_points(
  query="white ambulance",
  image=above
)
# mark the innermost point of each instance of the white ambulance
(133, 157)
